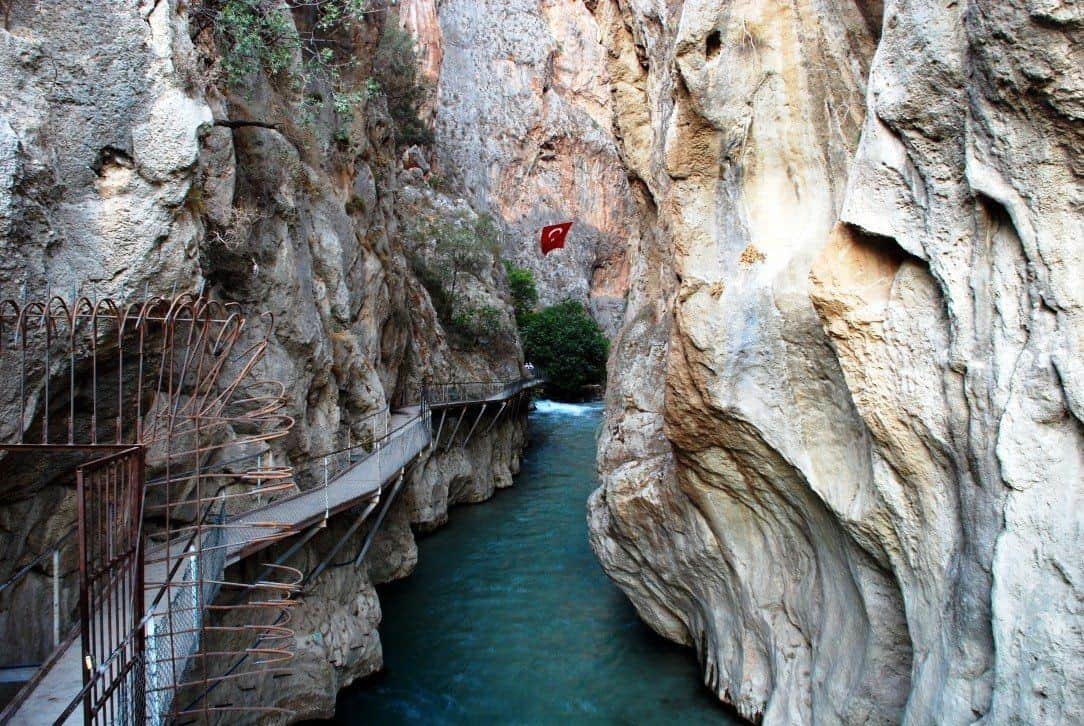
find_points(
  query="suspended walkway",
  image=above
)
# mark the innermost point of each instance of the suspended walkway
(359, 478)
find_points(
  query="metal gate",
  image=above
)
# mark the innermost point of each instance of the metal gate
(110, 495)
(180, 378)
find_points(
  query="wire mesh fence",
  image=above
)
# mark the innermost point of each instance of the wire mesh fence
(173, 636)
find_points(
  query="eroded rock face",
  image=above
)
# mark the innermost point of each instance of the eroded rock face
(130, 166)
(522, 112)
(843, 447)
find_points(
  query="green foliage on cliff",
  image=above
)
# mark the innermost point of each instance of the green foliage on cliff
(569, 345)
(480, 324)
(447, 252)
(253, 38)
(395, 71)
(311, 56)
(524, 291)
(255, 35)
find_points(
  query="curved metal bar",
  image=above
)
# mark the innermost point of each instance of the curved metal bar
(180, 375)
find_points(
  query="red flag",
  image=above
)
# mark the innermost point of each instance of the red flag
(553, 237)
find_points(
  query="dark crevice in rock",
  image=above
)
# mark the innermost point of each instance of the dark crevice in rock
(112, 156)
(713, 44)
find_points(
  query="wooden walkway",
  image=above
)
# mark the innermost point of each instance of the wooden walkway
(363, 476)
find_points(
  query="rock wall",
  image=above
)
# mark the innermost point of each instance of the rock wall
(130, 165)
(842, 455)
(522, 113)
(843, 449)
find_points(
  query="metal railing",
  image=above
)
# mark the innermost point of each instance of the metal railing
(344, 477)
(353, 447)
(455, 393)
(111, 586)
(353, 473)
(338, 480)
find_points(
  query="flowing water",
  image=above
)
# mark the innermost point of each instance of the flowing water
(510, 619)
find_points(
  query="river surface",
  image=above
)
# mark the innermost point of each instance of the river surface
(510, 619)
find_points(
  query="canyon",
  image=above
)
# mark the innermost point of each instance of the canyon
(834, 242)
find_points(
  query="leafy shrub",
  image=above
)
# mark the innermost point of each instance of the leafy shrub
(569, 345)
(447, 250)
(478, 325)
(459, 245)
(524, 291)
(462, 322)
(257, 35)
(490, 321)
(432, 278)
(439, 182)
(395, 71)
(254, 38)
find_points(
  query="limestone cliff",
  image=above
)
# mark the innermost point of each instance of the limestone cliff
(134, 160)
(522, 111)
(843, 450)
(842, 456)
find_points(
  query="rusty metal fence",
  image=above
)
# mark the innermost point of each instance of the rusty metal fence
(110, 499)
(176, 383)
(166, 392)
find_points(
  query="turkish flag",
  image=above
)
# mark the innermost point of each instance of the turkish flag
(553, 237)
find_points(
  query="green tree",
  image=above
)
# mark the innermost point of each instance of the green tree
(569, 345)
(524, 292)
(446, 251)
(462, 246)
(395, 71)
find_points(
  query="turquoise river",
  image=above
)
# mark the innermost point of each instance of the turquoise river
(510, 619)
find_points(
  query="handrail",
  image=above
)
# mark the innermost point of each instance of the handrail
(374, 449)
(26, 569)
(538, 376)
(471, 391)
(384, 411)
(442, 393)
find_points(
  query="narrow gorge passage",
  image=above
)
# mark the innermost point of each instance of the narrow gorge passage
(510, 618)
(819, 255)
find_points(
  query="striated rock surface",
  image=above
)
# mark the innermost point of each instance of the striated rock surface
(844, 442)
(129, 165)
(522, 114)
(843, 450)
